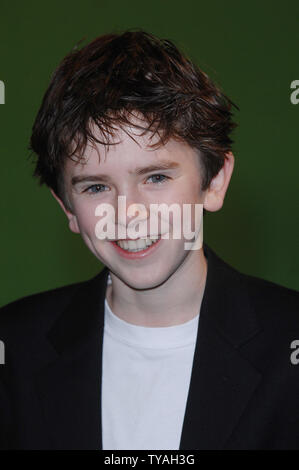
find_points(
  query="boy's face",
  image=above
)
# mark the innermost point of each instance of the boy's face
(180, 184)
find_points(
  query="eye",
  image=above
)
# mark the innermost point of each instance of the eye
(160, 180)
(94, 186)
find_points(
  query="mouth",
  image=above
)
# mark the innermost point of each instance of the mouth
(137, 248)
(138, 244)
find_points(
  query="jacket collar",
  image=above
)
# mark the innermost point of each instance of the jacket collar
(222, 381)
(225, 298)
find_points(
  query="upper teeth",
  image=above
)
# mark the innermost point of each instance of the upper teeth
(136, 245)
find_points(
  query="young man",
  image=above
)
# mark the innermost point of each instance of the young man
(167, 347)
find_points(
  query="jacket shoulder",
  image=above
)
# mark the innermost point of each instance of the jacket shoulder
(273, 302)
(271, 290)
(39, 308)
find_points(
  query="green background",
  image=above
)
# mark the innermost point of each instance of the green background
(250, 49)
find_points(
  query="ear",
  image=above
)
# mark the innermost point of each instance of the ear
(73, 223)
(215, 194)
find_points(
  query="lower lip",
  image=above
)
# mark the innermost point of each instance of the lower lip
(136, 254)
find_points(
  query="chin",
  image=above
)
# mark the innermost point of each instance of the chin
(144, 282)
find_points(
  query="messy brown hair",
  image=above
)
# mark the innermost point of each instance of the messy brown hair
(116, 75)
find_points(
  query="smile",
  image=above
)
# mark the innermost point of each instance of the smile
(137, 245)
(133, 249)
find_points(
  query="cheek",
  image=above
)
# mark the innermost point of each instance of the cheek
(86, 218)
(193, 193)
(191, 213)
(188, 191)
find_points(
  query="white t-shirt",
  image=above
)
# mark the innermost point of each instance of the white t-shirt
(145, 383)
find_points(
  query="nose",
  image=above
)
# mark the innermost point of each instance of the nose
(131, 214)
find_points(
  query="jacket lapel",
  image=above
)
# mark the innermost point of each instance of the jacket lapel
(222, 381)
(70, 387)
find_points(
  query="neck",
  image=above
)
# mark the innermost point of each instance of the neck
(174, 302)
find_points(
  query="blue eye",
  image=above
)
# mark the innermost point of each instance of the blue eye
(92, 187)
(159, 178)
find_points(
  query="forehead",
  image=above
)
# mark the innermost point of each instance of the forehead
(129, 149)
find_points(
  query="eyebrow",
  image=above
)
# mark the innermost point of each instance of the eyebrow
(166, 165)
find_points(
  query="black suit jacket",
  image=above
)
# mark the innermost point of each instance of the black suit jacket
(244, 390)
